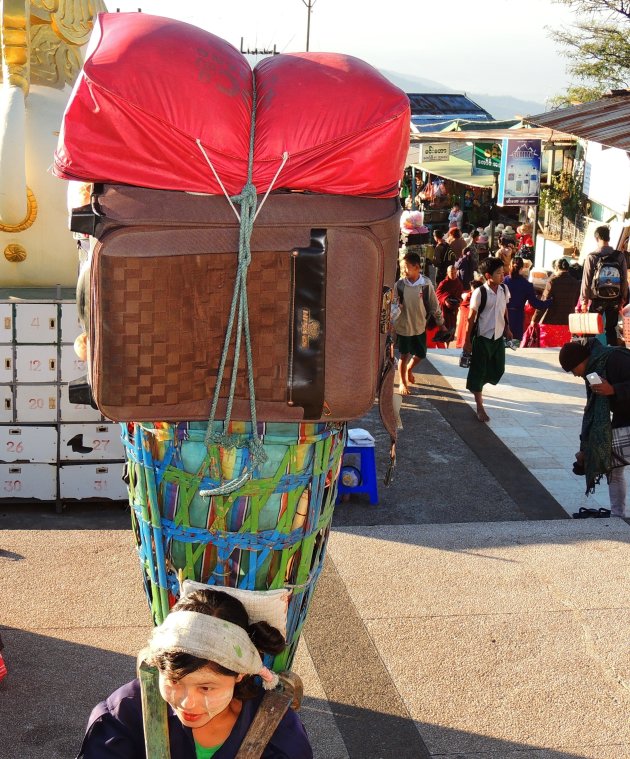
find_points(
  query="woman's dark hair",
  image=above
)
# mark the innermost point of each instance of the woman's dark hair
(562, 264)
(517, 263)
(215, 603)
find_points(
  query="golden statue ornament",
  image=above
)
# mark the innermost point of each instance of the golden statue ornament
(15, 253)
(31, 215)
(41, 48)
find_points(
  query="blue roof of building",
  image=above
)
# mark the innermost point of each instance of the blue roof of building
(432, 108)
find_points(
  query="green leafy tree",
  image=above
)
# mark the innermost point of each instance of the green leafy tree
(598, 48)
(563, 196)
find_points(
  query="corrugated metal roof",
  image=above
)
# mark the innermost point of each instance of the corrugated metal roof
(436, 105)
(529, 133)
(430, 118)
(606, 121)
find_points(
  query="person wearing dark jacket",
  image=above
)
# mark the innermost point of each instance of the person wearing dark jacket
(563, 292)
(521, 292)
(588, 297)
(465, 268)
(610, 395)
(207, 654)
(444, 256)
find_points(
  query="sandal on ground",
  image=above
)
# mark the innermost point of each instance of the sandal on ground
(585, 513)
(603, 513)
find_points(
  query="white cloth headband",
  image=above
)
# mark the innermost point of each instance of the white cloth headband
(211, 638)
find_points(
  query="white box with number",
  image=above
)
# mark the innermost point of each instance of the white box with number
(6, 323)
(36, 363)
(92, 481)
(36, 323)
(75, 412)
(71, 365)
(32, 481)
(90, 442)
(36, 403)
(18, 443)
(6, 404)
(70, 325)
(6, 363)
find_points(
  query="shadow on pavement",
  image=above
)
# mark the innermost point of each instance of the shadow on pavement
(53, 685)
(451, 468)
(374, 735)
(106, 515)
(51, 688)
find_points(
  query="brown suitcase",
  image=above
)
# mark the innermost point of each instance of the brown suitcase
(162, 275)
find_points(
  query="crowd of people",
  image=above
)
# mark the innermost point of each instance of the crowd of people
(481, 302)
(452, 266)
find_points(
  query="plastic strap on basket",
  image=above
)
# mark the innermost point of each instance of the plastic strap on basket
(247, 200)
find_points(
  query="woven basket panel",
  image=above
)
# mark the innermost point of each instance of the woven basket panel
(163, 321)
(270, 533)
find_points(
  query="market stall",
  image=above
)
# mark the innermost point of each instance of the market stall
(465, 166)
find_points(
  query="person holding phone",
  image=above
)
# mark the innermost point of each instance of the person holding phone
(606, 371)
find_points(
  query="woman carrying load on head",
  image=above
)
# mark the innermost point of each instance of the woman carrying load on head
(207, 656)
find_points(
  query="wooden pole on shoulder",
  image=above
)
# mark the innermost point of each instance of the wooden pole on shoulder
(154, 714)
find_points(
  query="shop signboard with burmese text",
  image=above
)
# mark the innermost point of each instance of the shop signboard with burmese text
(519, 179)
(486, 157)
(434, 151)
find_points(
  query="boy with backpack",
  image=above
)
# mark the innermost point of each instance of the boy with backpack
(417, 300)
(605, 283)
(487, 326)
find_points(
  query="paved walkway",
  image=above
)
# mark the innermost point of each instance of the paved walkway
(536, 410)
(486, 623)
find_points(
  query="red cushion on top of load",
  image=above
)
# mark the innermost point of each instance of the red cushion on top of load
(149, 87)
(152, 86)
(344, 125)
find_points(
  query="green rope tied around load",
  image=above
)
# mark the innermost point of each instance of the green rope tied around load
(247, 200)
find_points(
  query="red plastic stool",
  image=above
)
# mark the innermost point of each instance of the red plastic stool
(366, 475)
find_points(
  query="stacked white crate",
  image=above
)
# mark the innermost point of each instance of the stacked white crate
(50, 449)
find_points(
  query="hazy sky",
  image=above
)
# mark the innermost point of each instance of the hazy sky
(498, 47)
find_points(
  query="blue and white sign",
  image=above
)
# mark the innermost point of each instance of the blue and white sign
(519, 178)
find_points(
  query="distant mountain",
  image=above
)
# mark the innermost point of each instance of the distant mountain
(499, 106)
(505, 106)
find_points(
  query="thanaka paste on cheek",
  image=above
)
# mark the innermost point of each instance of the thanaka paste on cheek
(193, 700)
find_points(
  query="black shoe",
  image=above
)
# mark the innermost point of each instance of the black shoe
(585, 513)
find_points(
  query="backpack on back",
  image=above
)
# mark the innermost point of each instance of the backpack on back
(606, 283)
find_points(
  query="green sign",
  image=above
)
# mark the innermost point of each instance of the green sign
(487, 156)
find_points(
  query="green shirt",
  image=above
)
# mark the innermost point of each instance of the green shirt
(206, 753)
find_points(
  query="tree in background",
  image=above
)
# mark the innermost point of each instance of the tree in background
(598, 48)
